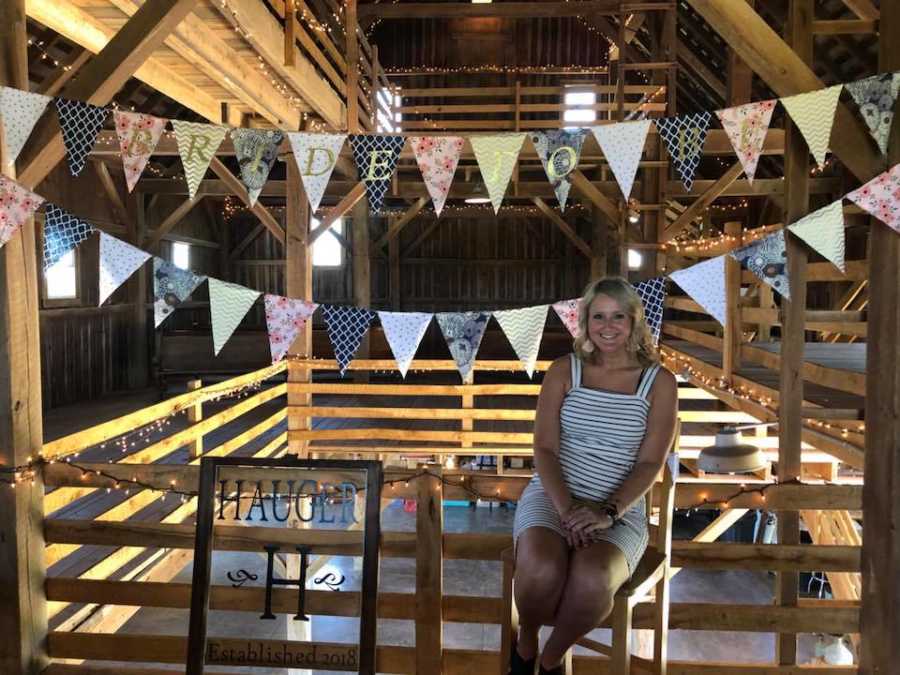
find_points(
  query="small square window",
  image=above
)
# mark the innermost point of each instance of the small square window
(327, 250)
(181, 255)
(62, 278)
(574, 112)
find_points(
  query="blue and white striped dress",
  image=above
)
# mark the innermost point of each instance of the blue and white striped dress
(600, 435)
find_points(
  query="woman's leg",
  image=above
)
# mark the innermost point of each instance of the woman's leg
(542, 558)
(595, 574)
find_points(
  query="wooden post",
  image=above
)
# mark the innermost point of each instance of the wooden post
(23, 611)
(766, 301)
(352, 66)
(361, 269)
(139, 347)
(599, 243)
(731, 347)
(195, 414)
(394, 271)
(429, 572)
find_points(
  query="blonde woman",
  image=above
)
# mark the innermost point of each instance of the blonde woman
(605, 419)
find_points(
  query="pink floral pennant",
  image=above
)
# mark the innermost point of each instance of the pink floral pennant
(138, 135)
(17, 204)
(437, 157)
(567, 310)
(285, 318)
(747, 126)
(881, 197)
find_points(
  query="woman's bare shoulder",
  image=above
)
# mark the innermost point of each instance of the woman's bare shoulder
(559, 372)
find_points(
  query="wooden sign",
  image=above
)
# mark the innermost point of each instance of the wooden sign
(266, 496)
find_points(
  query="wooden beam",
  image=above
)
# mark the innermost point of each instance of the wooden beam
(343, 207)
(692, 61)
(452, 10)
(597, 198)
(172, 220)
(851, 27)
(731, 352)
(704, 201)
(566, 229)
(864, 9)
(69, 69)
(237, 187)
(246, 241)
(352, 45)
(112, 192)
(401, 222)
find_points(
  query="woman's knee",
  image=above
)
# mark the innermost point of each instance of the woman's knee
(540, 575)
(590, 601)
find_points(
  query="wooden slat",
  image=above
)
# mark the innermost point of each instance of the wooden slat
(429, 572)
(703, 202)
(238, 188)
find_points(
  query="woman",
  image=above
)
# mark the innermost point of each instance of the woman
(605, 419)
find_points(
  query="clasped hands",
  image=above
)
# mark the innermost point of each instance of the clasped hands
(582, 523)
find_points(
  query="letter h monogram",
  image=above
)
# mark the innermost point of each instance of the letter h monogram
(271, 550)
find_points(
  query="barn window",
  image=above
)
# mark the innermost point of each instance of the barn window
(635, 259)
(327, 250)
(181, 255)
(388, 121)
(575, 111)
(62, 279)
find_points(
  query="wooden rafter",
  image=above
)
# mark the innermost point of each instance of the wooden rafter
(237, 187)
(864, 9)
(703, 202)
(566, 229)
(343, 208)
(597, 198)
(69, 68)
(172, 220)
(112, 192)
(401, 222)
(435, 10)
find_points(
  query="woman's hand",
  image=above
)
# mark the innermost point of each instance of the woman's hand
(582, 522)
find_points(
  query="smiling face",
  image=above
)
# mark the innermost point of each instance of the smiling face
(609, 325)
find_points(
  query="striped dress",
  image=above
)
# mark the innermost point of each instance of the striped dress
(600, 434)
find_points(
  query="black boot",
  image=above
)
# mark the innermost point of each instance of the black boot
(520, 666)
(553, 671)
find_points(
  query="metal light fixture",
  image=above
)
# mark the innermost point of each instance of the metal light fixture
(730, 454)
(634, 213)
(479, 195)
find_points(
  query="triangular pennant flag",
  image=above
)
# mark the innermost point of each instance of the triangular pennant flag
(80, 123)
(824, 231)
(705, 283)
(813, 113)
(316, 156)
(197, 145)
(767, 259)
(653, 295)
(256, 151)
(496, 156)
(17, 204)
(20, 111)
(876, 97)
(118, 261)
(881, 197)
(746, 127)
(437, 157)
(62, 233)
(524, 328)
(346, 328)
(463, 332)
(376, 158)
(684, 137)
(285, 318)
(404, 332)
(138, 135)
(567, 310)
(559, 150)
(623, 145)
(171, 285)
(228, 305)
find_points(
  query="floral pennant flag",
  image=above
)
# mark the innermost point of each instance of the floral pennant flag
(171, 286)
(197, 144)
(346, 328)
(497, 156)
(256, 151)
(705, 283)
(824, 231)
(228, 305)
(876, 97)
(138, 135)
(316, 156)
(376, 158)
(559, 150)
(118, 261)
(747, 126)
(524, 329)
(20, 111)
(623, 145)
(881, 197)
(813, 113)
(463, 332)
(567, 310)
(17, 204)
(437, 157)
(285, 317)
(653, 295)
(767, 259)
(684, 137)
(404, 332)
(62, 233)
(80, 123)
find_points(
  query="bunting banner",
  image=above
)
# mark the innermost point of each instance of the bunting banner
(171, 286)
(813, 113)
(138, 136)
(404, 332)
(256, 151)
(118, 261)
(346, 328)
(497, 156)
(653, 295)
(824, 231)
(524, 328)
(746, 127)
(767, 259)
(881, 197)
(559, 150)
(228, 305)
(80, 123)
(17, 204)
(285, 318)
(684, 137)
(463, 332)
(376, 158)
(316, 156)
(623, 145)
(62, 233)
(705, 283)
(437, 157)
(875, 96)
(197, 144)
(567, 310)
(19, 111)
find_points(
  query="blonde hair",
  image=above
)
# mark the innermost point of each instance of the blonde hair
(640, 342)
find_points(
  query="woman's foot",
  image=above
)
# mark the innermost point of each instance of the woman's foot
(558, 670)
(519, 665)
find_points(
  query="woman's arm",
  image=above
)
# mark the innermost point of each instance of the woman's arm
(546, 434)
